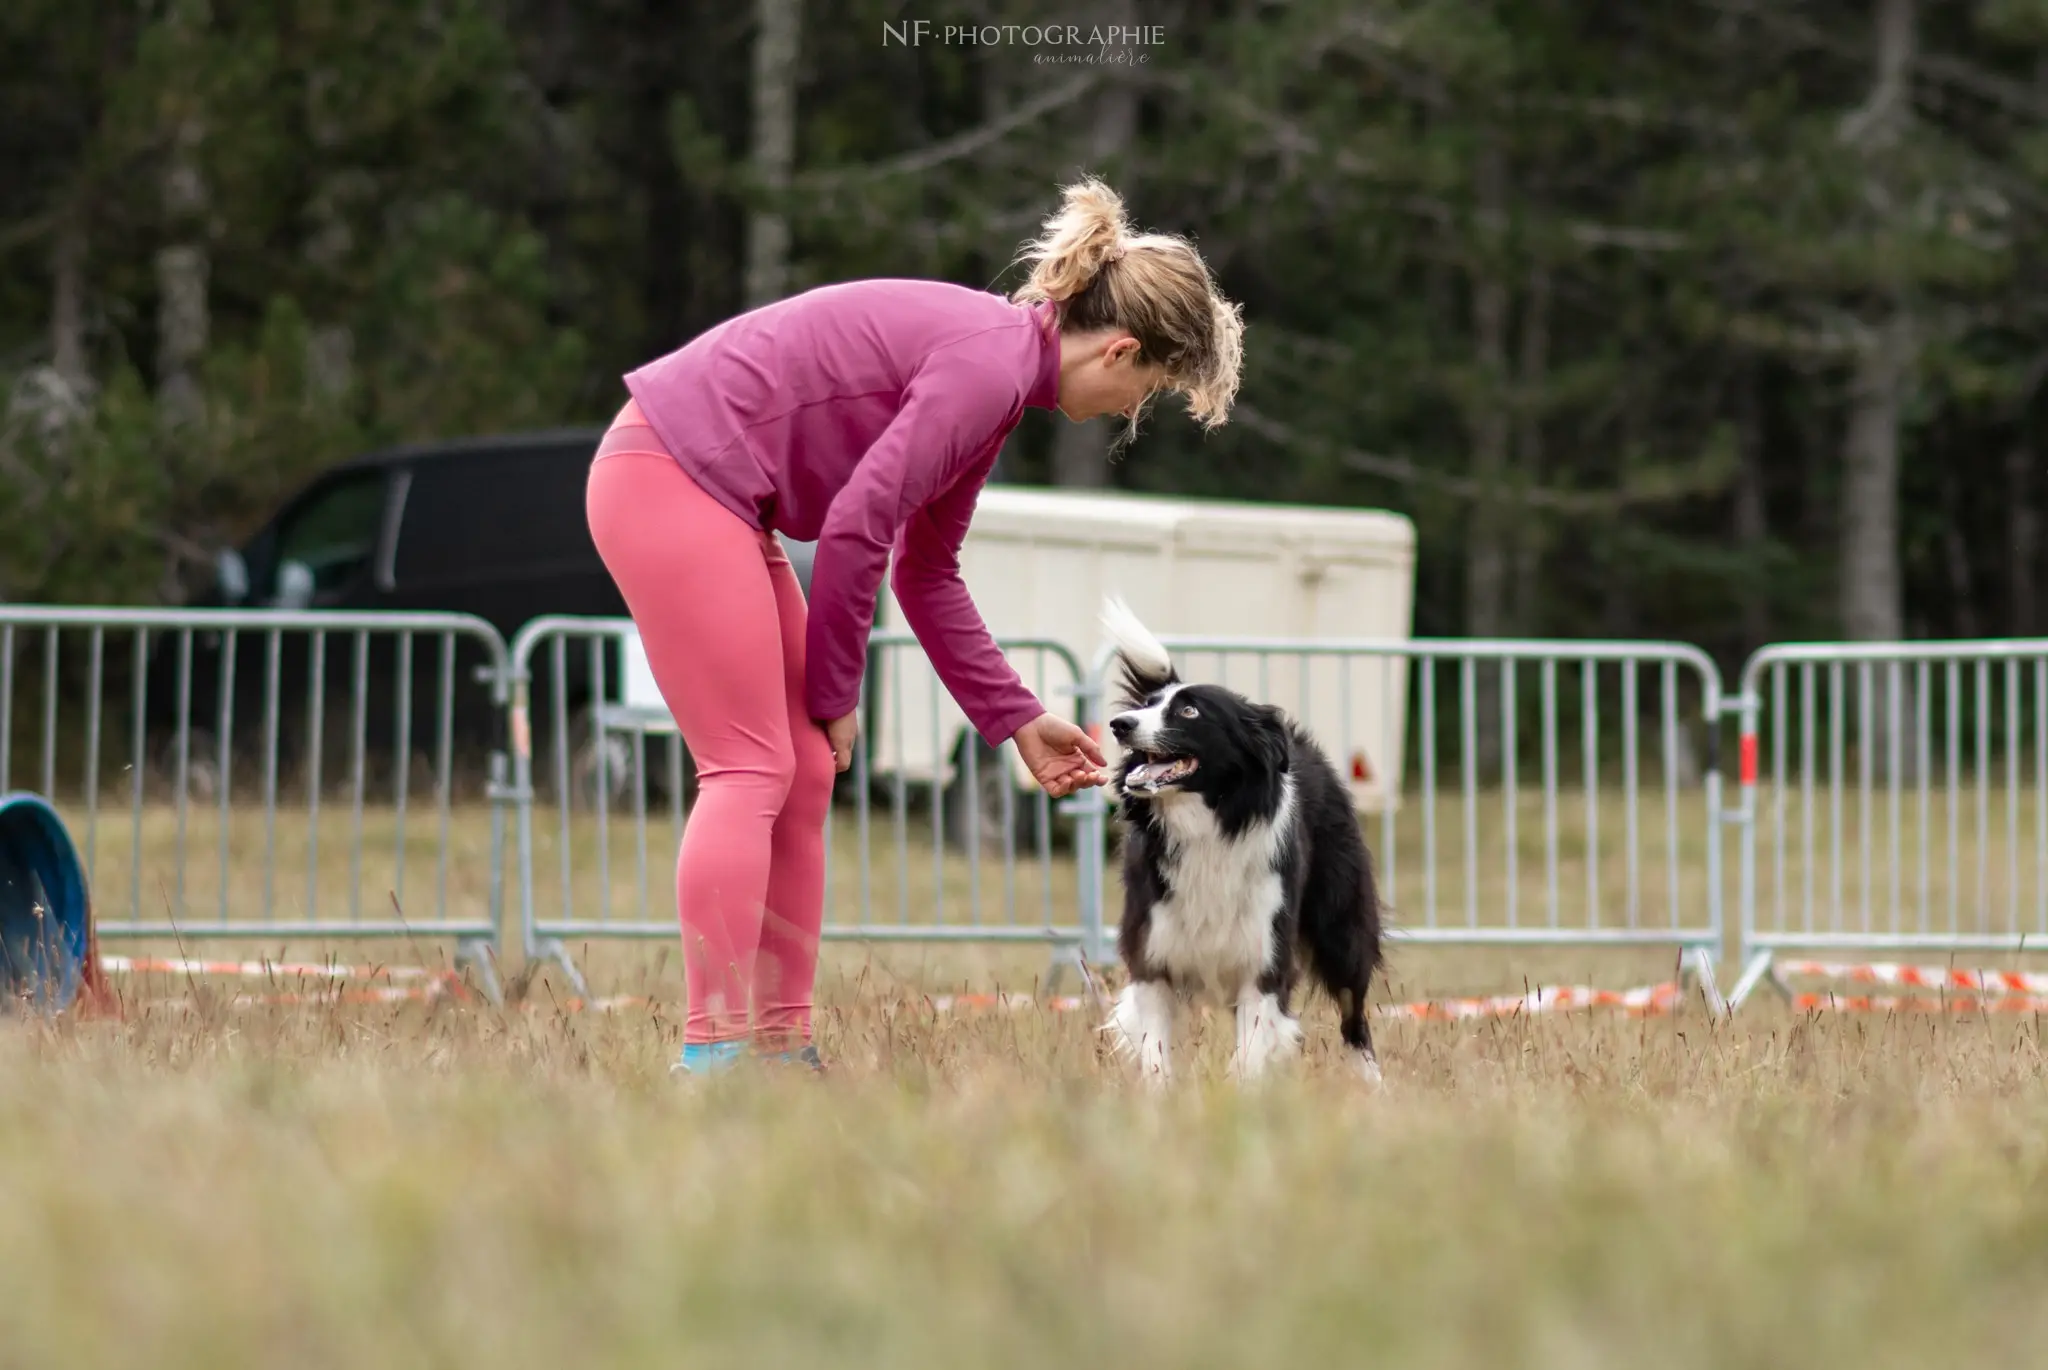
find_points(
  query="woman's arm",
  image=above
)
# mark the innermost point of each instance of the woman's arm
(942, 614)
(953, 411)
(1061, 756)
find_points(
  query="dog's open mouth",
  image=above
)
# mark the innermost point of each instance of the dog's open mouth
(1154, 772)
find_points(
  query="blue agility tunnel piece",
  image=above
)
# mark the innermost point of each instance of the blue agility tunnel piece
(46, 941)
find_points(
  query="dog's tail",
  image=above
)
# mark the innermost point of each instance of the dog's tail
(1148, 666)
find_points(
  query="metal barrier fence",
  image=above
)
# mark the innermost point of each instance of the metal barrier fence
(266, 775)
(237, 774)
(934, 836)
(1569, 792)
(1894, 797)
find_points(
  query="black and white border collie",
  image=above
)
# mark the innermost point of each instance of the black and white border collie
(1243, 865)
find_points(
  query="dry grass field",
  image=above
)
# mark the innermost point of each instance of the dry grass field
(409, 1185)
(398, 1187)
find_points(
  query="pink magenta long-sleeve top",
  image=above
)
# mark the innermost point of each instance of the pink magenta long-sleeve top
(866, 416)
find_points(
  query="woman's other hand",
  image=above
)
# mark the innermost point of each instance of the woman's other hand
(841, 732)
(1060, 756)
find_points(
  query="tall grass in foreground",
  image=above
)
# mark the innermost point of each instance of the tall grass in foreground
(317, 1187)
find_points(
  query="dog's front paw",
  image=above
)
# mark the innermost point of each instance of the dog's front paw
(1139, 1025)
(1266, 1037)
(1148, 1054)
(1368, 1067)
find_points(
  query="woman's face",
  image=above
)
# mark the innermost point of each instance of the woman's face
(1100, 374)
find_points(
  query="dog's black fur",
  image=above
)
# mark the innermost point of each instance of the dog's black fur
(1247, 758)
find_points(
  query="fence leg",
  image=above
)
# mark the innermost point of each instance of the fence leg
(1095, 994)
(1758, 967)
(479, 953)
(1090, 842)
(1056, 970)
(1702, 959)
(553, 950)
(486, 962)
(1091, 835)
(1073, 956)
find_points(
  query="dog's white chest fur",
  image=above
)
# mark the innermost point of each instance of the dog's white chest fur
(1214, 932)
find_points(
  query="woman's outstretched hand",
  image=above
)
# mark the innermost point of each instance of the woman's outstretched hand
(1061, 757)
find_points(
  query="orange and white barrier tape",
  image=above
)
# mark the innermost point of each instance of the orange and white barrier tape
(2008, 982)
(604, 1003)
(947, 1003)
(1642, 1001)
(415, 982)
(1916, 1003)
(383, 994)
(267, 970)
(420, 982)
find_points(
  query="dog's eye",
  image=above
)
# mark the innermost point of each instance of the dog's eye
(1190, 711)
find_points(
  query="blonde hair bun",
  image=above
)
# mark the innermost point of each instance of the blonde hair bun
(1085, 234)
(1155, 286)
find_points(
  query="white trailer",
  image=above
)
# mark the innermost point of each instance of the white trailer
(1039, 563)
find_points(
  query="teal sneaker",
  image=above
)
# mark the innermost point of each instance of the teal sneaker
(708, 1058)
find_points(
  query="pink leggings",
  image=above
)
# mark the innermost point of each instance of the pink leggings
(722, 617)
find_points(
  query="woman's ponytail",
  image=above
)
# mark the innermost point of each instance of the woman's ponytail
(1101, 274)
(1084, 235)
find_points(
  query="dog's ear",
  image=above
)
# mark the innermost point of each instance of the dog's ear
(1270, 738)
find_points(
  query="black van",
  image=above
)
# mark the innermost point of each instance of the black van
(486, 526)
(492, 527)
